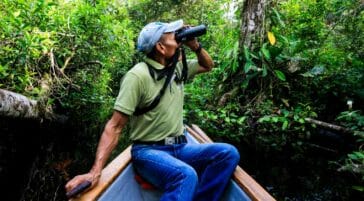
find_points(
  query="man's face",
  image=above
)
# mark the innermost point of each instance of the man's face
(170, 44)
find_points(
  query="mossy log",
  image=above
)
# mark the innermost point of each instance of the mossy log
(16, 105)
(19, 106)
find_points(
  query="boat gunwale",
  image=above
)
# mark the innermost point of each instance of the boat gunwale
(108, 176)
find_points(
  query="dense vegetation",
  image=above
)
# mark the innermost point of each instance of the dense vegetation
(71, 55)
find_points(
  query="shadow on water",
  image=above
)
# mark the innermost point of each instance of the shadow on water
(33, 159)
(38, 158)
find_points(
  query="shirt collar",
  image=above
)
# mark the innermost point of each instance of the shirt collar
(154, 63)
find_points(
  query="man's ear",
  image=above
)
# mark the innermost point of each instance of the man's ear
(160, 48)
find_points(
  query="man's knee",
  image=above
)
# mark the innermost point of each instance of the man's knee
(184, 175)
(234, 154)
(230, 153)
(188, 173)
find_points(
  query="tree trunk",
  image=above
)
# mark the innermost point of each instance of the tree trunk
(251, 37)
(252, 26)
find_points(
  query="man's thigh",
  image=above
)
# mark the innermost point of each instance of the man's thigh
(157, 166)
(199, 156)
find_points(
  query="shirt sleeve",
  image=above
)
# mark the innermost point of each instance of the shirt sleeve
(129, 94)
(192, 68)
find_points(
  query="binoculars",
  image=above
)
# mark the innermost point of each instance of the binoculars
(189, 33)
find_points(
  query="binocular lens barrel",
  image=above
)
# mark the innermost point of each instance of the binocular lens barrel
(190, 33)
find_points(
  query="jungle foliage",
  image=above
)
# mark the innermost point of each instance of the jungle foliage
(71, 54)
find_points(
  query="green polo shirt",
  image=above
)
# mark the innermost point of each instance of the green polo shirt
(138, 89)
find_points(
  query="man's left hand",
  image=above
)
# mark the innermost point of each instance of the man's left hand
(192, 44)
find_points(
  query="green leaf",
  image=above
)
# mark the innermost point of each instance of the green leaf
(265, 51)
(285, 112)
(246, 53)
(248, 65)
(280, 75)
(295, 117)
(254, 56)
(245, 83)
(265, 72)
(3, 71)
(229, 52)
(17, 13)
(264, 119)
(358, 188)
(275, 119)
(307, 74)
(241, 120)
(285, 125)
(234, 66)
(356, 155)
(278, 16)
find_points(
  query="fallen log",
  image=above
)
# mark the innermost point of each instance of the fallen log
(16, 105)
(19, 106)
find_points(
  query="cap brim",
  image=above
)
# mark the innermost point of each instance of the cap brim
(174, 26)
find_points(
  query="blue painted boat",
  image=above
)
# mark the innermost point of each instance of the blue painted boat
(118, 182)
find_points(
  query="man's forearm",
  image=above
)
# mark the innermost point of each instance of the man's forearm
(108, 142)
(204, 59)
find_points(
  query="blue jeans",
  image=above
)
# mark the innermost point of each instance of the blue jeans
(186, 172)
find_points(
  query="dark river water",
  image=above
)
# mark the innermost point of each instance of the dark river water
(37, 158)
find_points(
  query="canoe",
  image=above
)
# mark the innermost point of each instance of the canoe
(117, 181)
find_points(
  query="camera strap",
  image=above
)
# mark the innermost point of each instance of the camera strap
(168, 73)
(185, 67)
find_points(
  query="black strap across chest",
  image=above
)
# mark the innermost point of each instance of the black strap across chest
(168, 74)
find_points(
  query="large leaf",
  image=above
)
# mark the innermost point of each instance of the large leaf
(280, 75)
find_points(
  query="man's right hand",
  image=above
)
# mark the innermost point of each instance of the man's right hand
(78, 180)
(108, 142)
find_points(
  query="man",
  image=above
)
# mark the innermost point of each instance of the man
(160, 153)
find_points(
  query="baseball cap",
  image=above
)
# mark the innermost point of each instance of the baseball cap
(153, 31)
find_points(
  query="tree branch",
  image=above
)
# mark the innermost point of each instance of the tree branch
(68, 59)
(92, 63)
(328, 125)
(224, 98)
